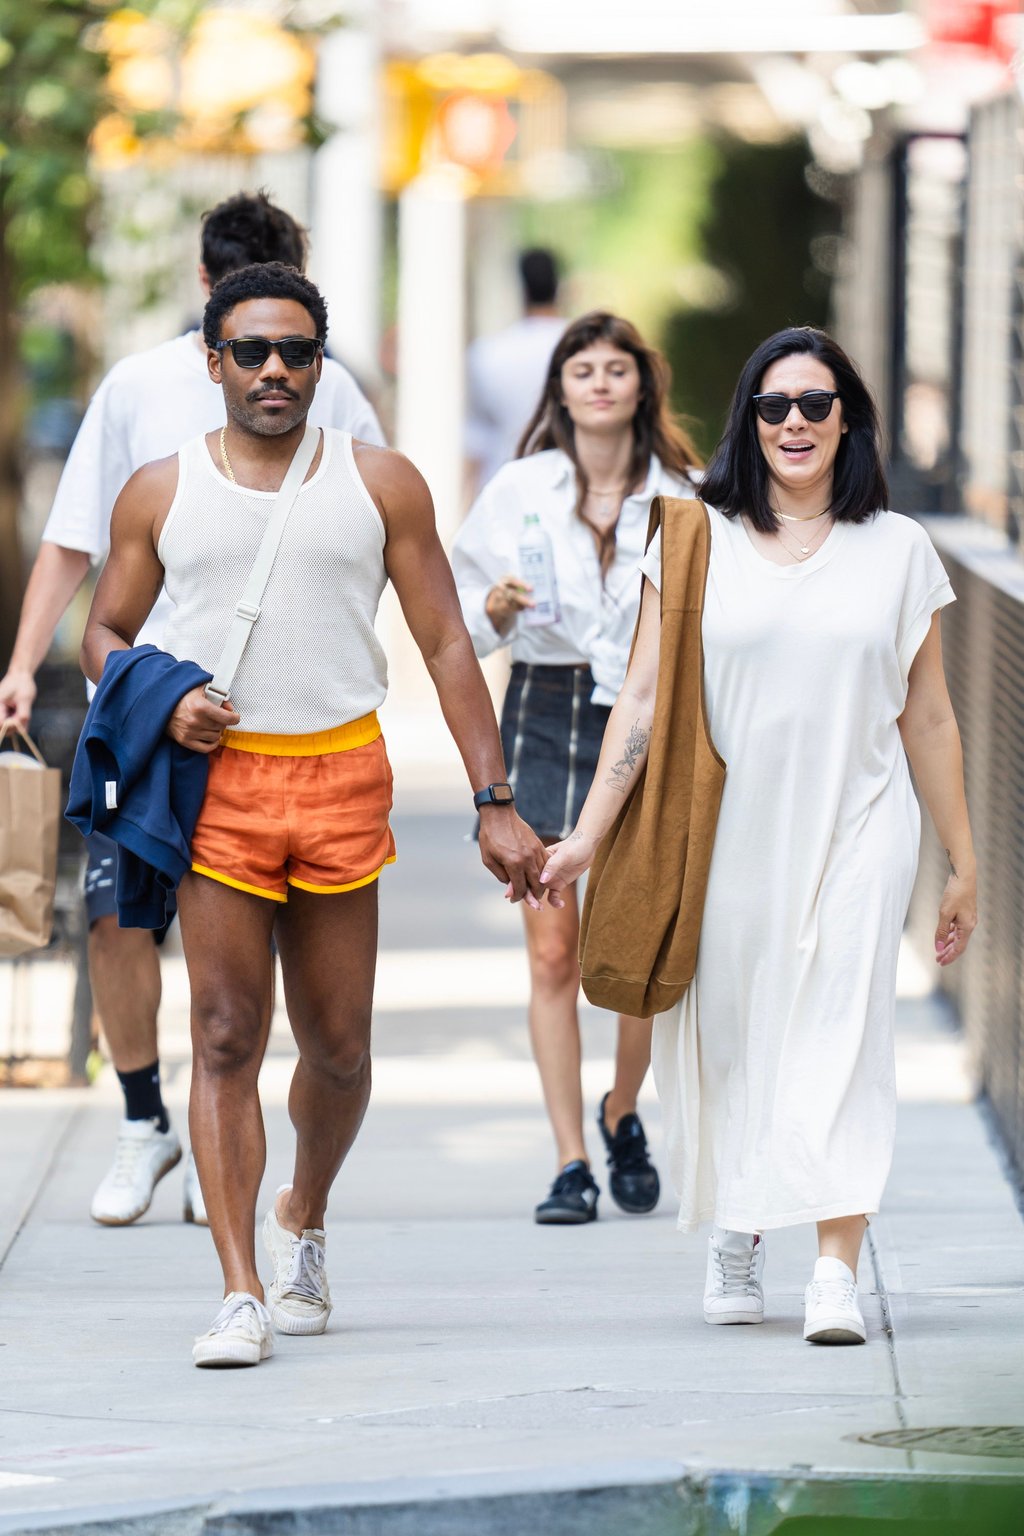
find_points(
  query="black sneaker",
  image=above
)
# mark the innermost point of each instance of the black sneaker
(573, 1198)
(634, 1179)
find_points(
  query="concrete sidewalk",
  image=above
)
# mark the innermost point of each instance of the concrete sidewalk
(483, 1373)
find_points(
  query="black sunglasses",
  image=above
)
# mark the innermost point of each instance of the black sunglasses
(253, 351)
(814, 405)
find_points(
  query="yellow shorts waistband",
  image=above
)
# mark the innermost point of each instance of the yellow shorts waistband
(340, 738)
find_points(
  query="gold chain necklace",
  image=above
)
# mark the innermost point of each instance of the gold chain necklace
(224, 457)
(788, 519)
(802, 551)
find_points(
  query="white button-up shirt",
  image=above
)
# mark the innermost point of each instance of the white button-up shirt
(598, 618)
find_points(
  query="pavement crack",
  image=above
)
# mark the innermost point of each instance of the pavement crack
(889, 1328)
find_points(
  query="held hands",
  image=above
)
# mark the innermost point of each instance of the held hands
(197, 723)
(566, 861)
(505, 600)
(958, 918)
(515, 854)
(17, 695)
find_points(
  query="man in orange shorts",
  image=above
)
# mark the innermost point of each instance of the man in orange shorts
(293, 831)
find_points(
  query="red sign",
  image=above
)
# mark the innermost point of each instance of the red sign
(980, 24)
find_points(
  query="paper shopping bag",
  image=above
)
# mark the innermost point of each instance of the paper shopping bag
(30, 803)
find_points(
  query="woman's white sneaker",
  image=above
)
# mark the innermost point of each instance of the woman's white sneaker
(832, 1315)
(141, 1158)
(239, 1334)
(300, 1299)
(732, 1291)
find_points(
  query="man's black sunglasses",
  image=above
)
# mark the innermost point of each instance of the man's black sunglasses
(814, 405)
(253, 351)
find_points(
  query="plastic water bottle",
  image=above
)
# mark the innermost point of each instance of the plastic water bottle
(537, 566)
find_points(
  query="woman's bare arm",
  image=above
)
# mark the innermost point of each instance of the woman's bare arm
(932, 742)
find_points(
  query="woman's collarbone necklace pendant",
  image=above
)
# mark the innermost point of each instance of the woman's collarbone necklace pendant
(804, 549)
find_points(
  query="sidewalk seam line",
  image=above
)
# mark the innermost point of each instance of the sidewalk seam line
(888, 1324)
(44, 1177)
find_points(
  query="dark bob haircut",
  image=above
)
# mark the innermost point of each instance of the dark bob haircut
(737, 480)
(262, 280)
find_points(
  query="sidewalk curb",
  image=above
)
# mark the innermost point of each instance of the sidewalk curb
(650, 1504)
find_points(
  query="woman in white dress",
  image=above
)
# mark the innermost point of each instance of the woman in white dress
(823, 676)
(600, 446)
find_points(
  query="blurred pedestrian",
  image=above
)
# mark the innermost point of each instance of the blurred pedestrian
(547, 563)
(293, 830)
(505, 372)
(145, 408)
(823, 677)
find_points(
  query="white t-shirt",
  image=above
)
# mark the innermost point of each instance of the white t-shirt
(146, 407)
(505, 374)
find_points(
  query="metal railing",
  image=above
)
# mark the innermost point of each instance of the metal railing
(983, 645)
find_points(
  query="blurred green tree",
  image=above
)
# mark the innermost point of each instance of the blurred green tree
(769, 245)
(51, 92)
(88, 80)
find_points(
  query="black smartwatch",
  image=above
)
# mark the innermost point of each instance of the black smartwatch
(494, 794)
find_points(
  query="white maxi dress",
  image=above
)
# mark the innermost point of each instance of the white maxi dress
(775, 1072)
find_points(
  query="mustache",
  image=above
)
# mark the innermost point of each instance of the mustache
(255, 395)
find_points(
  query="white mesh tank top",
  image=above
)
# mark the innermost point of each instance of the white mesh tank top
(313, 660)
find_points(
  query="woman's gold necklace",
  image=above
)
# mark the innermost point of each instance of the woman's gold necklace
(224, 457)
(802, 551)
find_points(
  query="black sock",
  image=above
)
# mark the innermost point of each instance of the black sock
(142, 1099)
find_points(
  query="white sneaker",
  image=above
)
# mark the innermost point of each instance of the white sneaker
(300, 1301)
(732, 1291)
(239, 1334)
(193, 1204)
(141, 1158)
(832, 1315)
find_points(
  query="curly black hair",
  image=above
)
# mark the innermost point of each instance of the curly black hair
(246, 228)
(262, 280)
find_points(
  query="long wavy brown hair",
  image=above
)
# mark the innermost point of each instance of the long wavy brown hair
(655, 429)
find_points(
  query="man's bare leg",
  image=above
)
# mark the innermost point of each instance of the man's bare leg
(226, 937)
(124, 969)
(328, 948)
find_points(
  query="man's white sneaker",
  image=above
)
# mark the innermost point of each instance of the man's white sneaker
(300, 1300)
(732, 1291)
(193, 1204)
(832, 1315)
(141, 1158)
(239, 1334)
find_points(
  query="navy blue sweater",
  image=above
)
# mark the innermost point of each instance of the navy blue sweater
(131, 781)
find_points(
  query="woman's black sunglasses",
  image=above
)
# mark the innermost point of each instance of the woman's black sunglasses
(253, 351)
(814, 405)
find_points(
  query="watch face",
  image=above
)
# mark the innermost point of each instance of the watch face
(502, 794)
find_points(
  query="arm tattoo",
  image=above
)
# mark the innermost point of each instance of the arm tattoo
(622, 771)
(952, 866)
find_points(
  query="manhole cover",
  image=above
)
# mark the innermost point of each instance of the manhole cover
(955, 1440)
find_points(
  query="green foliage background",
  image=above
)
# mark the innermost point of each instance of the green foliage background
(734, 218)
(51, 92)
(762, 228)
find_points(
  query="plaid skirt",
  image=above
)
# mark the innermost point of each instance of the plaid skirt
(551, 735)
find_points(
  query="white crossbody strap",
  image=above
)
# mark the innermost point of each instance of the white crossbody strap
(247, 609)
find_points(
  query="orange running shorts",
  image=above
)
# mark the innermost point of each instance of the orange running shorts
(309, 811)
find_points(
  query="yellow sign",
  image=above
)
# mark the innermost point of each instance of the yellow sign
(479, 112)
